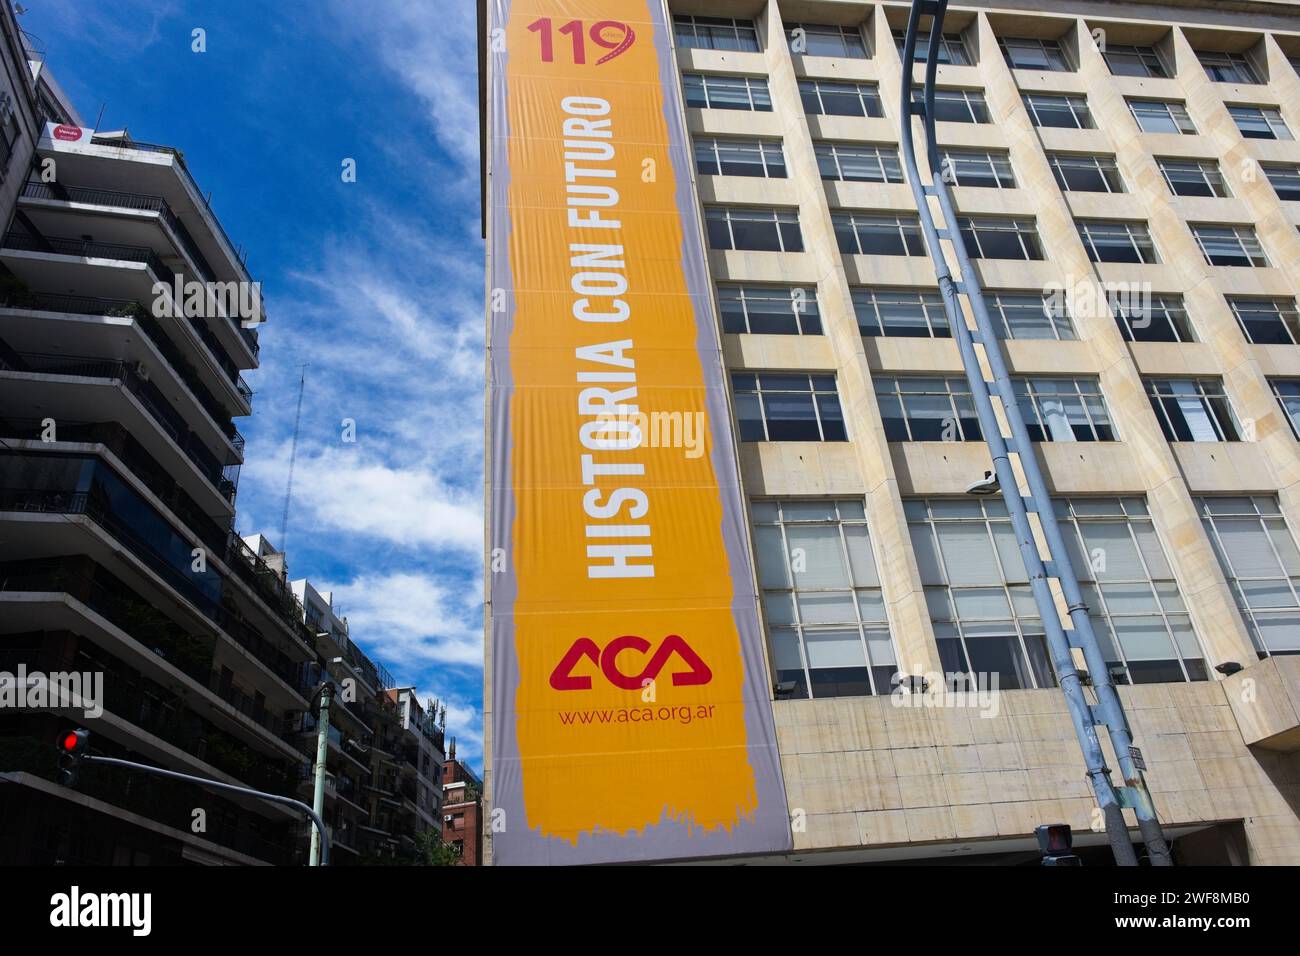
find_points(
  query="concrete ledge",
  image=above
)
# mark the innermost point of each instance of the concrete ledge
(1265, 699)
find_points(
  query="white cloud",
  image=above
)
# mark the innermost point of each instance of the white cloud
(410, 621)
(432, 47)
(345, 492)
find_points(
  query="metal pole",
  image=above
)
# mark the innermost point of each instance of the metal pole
(218, 785)
(1109, 711)
(322, 751)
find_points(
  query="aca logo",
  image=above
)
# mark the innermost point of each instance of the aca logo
(690, 667)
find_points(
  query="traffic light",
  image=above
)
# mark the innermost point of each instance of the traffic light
(1056, 844)
(72, 745)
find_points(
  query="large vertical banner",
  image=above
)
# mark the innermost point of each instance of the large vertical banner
(628, 702)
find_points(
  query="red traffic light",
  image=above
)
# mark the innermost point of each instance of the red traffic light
(72, 750)
(1054, 839)
(74, 742)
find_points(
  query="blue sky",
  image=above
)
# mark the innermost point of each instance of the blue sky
(378, 284)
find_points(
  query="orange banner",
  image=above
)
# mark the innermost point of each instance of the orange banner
(628, 696)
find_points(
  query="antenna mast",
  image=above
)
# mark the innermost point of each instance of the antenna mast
(293, 455)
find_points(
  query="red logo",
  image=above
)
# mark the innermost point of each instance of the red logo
(69, 134)
(696, 672)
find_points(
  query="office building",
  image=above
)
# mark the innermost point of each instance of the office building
(1127, 179)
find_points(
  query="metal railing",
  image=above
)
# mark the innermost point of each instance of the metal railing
(94, 305)
(180, 162)
(123, 200)
(143, 465)
(89, 249)
(149, 396)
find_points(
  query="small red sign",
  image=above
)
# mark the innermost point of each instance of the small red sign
(69, 134)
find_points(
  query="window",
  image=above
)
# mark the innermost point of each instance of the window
(1127, 60)
(1161, 116)
(1086, 173)
(1063, 409)
(984, 613)
(1227, 67)
(1260, 122)
(901, 313)
(1193, 177)
(704, 91)
(974, 167)
(1259, 558)
(988, 237)
(715, 33)
(957, 106)
(1285, 178)
(913, 408)
(952, 49)
(825, 614)
(868, 235)
(1192, 409)
(828, 98)
(1287, 391)
(1029, 315)
(845, 162)
(778, 406)
(1058, 111)
(769, 310)
(1229, 245)
(1108, 241)
(1267, 321)
(1161, 318)
(753, 230)
(818, 39)
(1031, 53)
(740, 157)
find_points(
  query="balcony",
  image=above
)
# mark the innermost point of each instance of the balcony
(168, 802)
(68, 485)
(112, 308)
(57, 192)
(172, 423)
(138, 461)
(155, 634)
(87, 249)
(161, 712)
(179, 157)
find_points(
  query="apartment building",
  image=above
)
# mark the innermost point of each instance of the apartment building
(119, 466)
(462, 818)
(385, 750)
(1127, 178)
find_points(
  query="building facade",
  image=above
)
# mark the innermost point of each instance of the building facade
(119, 467)
(385, 752)
(1127, 179)
(462, 817)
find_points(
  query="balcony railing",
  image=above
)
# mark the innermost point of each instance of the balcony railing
(110, 598)
(269, 585)
(88, 249)
(180, 162)
(111, 197)
(46, 497)
(169, 802)
(144, 466)
(84, 305)
(148, 394)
